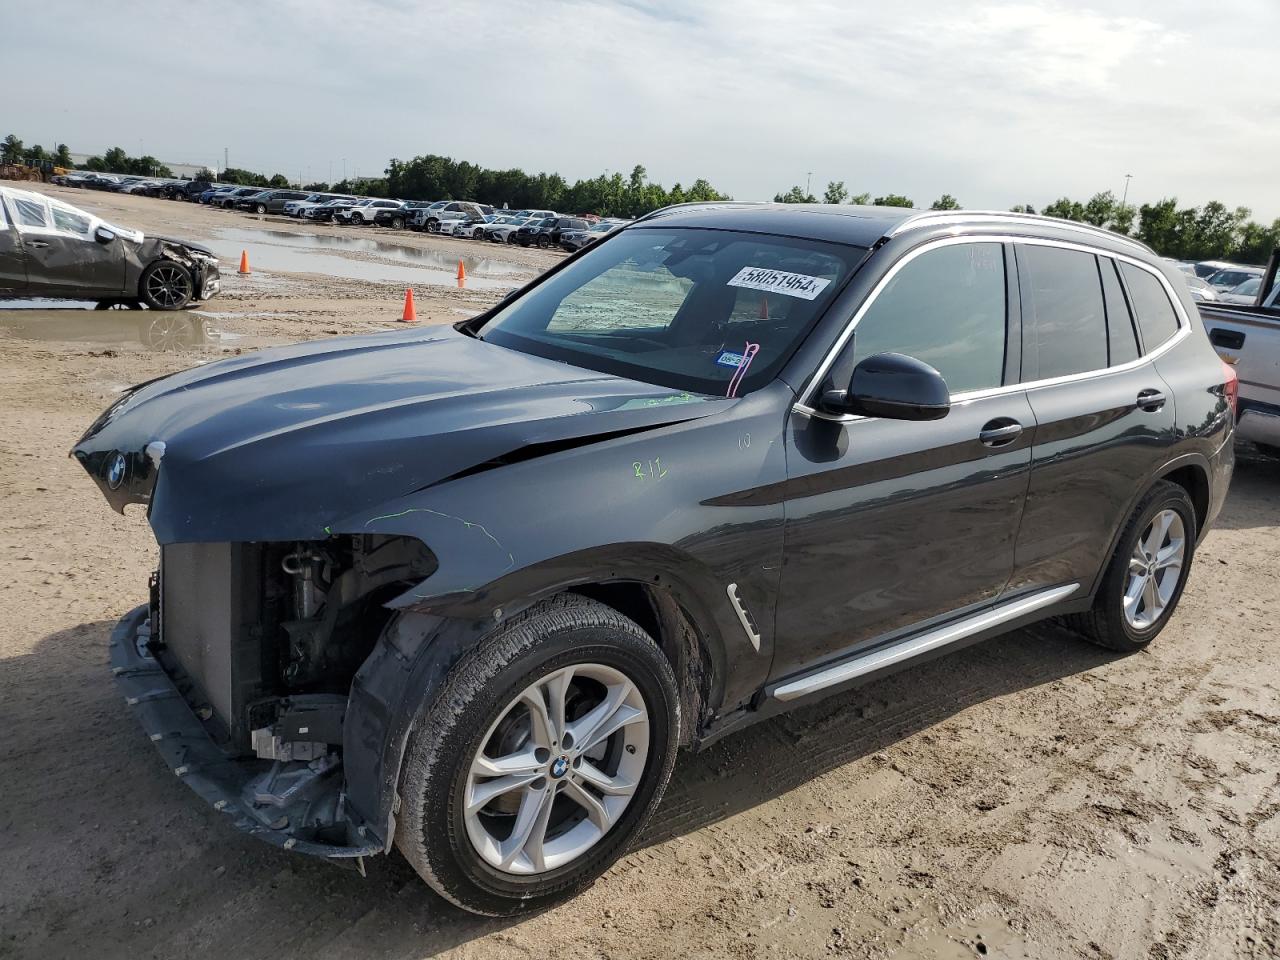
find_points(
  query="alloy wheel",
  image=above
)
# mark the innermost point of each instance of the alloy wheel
(1154, 569)
(557, 769)
(169, 286)
(169, 332)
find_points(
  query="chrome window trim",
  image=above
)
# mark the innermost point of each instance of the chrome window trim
(804, 407)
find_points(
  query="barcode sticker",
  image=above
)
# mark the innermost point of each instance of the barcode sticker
(779, 281)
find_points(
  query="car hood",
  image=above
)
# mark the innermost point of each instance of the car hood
(279, 444)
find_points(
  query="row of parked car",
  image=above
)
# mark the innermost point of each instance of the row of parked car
(464, 219)
(1220, 280)
(170, 189)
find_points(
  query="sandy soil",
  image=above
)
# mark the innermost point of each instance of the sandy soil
(1030, 797)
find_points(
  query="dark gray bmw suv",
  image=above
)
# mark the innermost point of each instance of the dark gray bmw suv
(465, 591)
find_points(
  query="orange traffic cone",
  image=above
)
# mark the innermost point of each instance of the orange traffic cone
(410, 315)
(244, 262)
(462, 271)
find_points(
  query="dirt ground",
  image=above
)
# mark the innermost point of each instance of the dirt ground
(1033, 796)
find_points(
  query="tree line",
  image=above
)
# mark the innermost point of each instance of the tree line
(434, 177)
(1211, 232)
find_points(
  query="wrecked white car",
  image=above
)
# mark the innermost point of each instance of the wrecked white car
(51, 249)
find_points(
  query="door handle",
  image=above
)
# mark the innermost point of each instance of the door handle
(1230, 339)
(36, 243)
(1000, 432)
(1150, 400)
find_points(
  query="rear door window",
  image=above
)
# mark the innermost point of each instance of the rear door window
(1156, 316)
(1063, 310)
(946, 307)
(1122, 342)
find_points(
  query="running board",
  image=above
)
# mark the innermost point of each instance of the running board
(922, 643)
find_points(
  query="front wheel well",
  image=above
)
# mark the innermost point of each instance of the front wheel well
(662, 617)
(1195, 481)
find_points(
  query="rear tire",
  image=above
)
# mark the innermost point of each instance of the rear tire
(482, 717)
(260, 209)
(1131, 608)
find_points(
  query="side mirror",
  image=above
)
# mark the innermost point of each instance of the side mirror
(103, 235)
(894, 387)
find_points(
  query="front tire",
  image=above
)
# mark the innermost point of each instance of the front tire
(166, 285)
(1147, 573)
(545, 752)
(260, 209)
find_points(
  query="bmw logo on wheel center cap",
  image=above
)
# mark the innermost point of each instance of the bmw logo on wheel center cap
(116, 467)
(560, 767)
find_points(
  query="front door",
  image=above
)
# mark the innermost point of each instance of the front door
(893, 524)
(63, 257)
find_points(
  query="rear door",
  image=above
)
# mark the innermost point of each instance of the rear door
(893, 524)
(63, 258)
(1105, 418)
(13, 263)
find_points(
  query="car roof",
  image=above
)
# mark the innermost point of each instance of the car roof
(861, 226)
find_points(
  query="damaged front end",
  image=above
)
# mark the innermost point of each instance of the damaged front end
(240, 667)
(200, 261)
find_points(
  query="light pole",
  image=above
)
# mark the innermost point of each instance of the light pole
(808, 177)
(1124, 199)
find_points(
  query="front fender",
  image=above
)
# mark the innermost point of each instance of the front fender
(669, 508)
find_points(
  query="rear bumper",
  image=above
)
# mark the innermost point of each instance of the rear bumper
(220, 780)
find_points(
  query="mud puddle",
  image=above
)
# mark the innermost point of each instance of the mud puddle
(283, 251)
(158, 330)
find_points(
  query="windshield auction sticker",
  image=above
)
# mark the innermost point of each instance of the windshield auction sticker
(779, 281)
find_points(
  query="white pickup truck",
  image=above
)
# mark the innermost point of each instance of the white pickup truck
(1247, 336)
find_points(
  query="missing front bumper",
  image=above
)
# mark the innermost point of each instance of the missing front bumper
(225, 782)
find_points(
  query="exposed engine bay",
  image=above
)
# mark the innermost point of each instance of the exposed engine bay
(262, 640)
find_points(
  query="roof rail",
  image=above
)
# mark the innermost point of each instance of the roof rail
(691, 204)
(927, 218)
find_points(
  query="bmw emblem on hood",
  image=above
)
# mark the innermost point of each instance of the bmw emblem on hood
(116, 468)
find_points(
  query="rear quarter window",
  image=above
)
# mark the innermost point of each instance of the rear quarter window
(1156, 317)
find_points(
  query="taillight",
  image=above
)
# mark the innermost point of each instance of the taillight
(1231, 388)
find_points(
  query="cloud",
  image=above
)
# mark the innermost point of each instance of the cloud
(995, 102)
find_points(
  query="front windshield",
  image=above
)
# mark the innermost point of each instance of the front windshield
(681, 307)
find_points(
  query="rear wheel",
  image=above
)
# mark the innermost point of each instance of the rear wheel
(166, 285)
(1145, 578)
(260, 208)
(545, 752)
(397, 223)
(543, 242)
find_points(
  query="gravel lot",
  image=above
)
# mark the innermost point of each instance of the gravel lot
(1033, 796)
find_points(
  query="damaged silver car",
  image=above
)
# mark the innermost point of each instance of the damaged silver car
(53, 250)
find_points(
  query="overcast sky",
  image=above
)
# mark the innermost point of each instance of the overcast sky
(997, 101)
